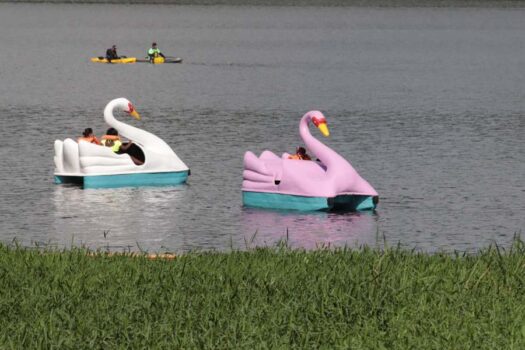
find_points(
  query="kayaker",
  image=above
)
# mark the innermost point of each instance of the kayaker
(111, 53)
(87, 136)
(112, 140)
(154, 52)
(300, 154)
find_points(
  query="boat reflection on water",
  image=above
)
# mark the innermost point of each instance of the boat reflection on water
(309, 230)
(158, 219)
(115, 219)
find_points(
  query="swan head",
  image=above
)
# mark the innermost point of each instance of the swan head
(319, 121)
(122, 104)
(130, 109)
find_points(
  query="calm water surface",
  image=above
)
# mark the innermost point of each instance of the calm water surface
(428, 105)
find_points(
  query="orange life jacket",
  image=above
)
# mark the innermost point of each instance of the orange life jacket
(91, 139)
(299, 157)
(111, 137)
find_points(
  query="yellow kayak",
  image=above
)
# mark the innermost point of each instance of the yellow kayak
(119, 61)
(160, 60)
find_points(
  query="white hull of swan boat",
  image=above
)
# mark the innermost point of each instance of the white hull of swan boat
(94, 166)
(125, 180)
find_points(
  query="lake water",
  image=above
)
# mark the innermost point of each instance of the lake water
(427, 103)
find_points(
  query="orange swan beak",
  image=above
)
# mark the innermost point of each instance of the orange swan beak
(324, 129)
(135, 114)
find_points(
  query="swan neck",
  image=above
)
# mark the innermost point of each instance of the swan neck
(109, 117)
(319, 149)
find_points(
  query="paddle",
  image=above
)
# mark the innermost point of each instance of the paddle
(172, 59)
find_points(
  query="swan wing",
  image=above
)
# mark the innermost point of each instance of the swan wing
(305, 178)
(256, 177)
(100, 159)
(268, 155)
(251, 162)
(58, 158)
(261, 174)
(70, 157)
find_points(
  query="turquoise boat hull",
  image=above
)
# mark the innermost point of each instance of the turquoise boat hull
(126, 180)
(303, 203)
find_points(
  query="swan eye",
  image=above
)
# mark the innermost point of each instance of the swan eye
(316, 121)
(130, 107)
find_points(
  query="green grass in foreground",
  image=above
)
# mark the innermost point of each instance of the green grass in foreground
(264, 298)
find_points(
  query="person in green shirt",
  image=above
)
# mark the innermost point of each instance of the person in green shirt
(154, 52)
(113, 141)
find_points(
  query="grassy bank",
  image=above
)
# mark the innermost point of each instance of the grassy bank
(265, 298)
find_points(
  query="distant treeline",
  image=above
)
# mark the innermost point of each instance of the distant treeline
(380, 3)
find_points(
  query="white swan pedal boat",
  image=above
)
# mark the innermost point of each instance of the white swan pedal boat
(95, 166)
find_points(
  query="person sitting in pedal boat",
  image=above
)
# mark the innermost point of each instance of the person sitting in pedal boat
(300, 154)
(154, 52)
(112, 140)
(87, 136)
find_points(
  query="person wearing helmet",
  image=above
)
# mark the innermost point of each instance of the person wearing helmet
(154, 52)
(111, 53)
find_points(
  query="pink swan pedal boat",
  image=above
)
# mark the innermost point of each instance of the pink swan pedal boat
(328, 183)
